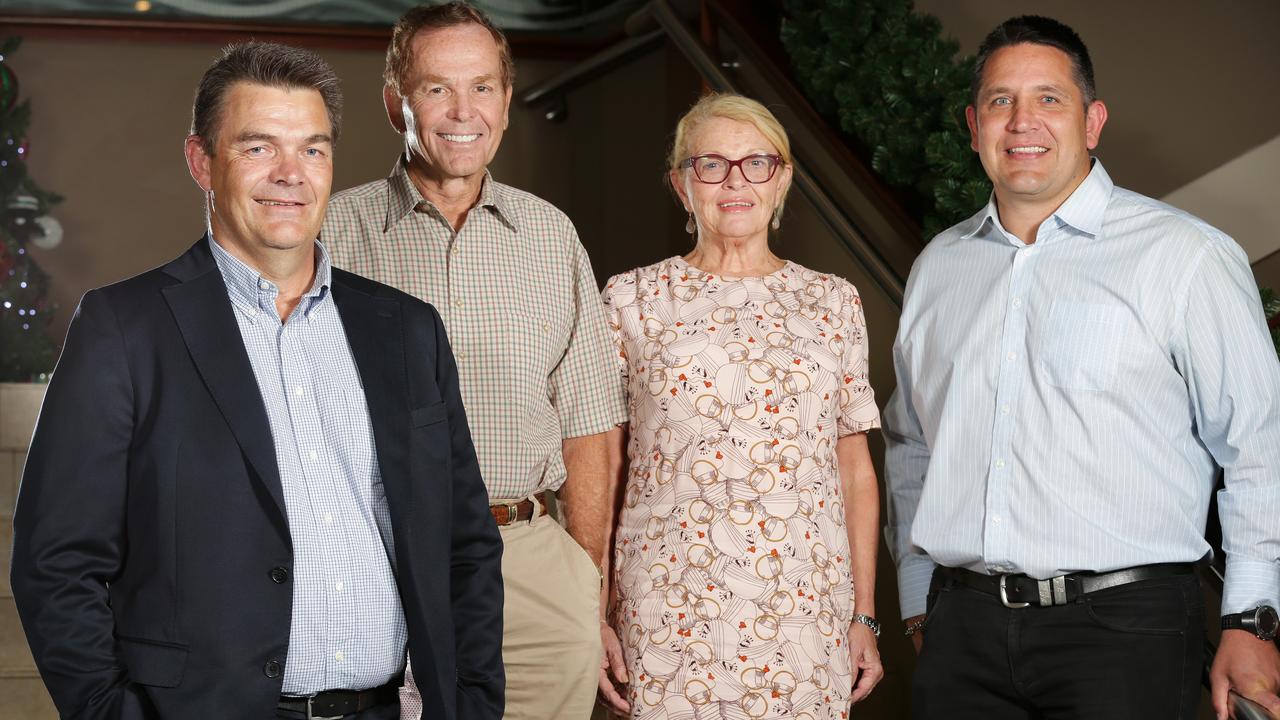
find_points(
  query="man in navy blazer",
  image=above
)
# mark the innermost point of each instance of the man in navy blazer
(252, 487)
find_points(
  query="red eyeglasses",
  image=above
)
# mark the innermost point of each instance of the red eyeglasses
(713, 169)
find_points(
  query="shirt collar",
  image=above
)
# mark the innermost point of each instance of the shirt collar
(403, 198)
(248, 288)
(1087, 206)
(1083, 210)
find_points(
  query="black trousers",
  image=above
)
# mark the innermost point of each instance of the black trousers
(1129, 652)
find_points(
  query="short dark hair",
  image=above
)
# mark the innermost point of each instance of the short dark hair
(1037, 30)
(436, 17)
(268, 64)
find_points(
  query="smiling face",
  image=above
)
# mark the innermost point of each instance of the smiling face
(1031, 127)
(455, 105)
(271, 169)
(733, 209)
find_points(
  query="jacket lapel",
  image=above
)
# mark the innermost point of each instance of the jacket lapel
(203, 311)
(372, 325)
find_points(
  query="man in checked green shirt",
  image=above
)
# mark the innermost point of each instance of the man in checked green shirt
(507, 273)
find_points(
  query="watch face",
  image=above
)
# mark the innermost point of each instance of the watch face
(1266, 622)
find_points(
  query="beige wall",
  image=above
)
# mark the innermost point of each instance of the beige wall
(1239, 197)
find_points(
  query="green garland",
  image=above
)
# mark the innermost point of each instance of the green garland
(887, 76)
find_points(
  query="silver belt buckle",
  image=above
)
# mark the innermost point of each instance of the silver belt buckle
(311, 716)
(1004, 595)
(513, 512)
(1052, 591)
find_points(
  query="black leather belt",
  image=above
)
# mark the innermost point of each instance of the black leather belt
(1018, 591)
(336, 703)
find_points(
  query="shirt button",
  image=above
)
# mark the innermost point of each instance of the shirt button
(312, 454)
(279, 575)
(1004, 409)
(995, 519)
(338, 586)
(328, 518)
(264, 285)
(457, 303)
(546, 327)
(338, 656)
(1000, 463)
(461, 355)
(271, 669)
(1012, 356)
(1017, 302)
(456, 249)
(298, 390)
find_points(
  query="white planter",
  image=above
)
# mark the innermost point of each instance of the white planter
(19, 407)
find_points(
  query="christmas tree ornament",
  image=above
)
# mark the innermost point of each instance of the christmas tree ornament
(48, 234)
(8, 88)
(20, 215)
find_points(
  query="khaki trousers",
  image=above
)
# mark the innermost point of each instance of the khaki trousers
(551, 626)
(551, 623)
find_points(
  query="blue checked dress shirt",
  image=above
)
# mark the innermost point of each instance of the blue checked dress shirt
(1062, 406)
(348, 629)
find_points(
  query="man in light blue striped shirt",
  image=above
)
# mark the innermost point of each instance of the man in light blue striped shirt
(1074, 362)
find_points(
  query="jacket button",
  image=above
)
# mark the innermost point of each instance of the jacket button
(279, 574)
(271, 669)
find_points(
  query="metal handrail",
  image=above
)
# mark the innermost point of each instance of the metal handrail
(553, 91)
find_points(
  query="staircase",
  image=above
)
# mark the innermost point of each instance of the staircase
(22, 693)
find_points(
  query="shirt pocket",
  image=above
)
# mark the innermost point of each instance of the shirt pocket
(542, 339)
(1085, 344)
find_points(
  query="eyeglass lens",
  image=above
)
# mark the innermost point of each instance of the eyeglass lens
(714, 169)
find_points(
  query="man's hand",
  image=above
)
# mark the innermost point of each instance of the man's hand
(917, 637)
(865, 661)
(612, 660)
(1249, 666)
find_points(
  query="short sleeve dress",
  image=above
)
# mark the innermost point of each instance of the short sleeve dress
(732, 558)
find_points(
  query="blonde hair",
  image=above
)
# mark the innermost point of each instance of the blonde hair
(731, 107)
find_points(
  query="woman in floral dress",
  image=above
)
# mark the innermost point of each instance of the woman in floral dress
(744, 558)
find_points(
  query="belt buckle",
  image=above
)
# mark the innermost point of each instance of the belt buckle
(513, 512)
(311, 716)
(1052, 591)
(1004, 595)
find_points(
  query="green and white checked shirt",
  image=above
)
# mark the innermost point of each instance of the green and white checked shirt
(521, 306)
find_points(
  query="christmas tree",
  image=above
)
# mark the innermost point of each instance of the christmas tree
(26, 350)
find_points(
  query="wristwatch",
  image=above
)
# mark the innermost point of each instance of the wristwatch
(870, 622)
(1262, 621)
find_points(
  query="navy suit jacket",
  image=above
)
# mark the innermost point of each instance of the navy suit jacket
(151, 554)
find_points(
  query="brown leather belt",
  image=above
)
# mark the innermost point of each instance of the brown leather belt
(507, 513)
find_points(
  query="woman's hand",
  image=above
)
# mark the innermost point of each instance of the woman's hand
(612, 660)
(864, 659)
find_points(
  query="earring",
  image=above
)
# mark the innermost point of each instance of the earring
(690, 226)
(776, 221)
